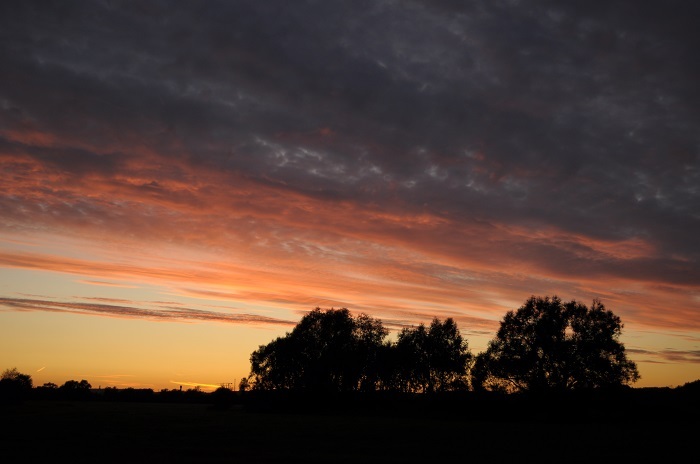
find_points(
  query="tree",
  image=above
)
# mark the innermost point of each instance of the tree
(276, 365)
(14, 385)
(369, 351)
(412, 363)
(13, 376)
(72, 389)
(550, 345)
(74, 385)
(326, 351)
(449, 356)
(432, 359)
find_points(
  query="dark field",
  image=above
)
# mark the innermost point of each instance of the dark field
(129, 432)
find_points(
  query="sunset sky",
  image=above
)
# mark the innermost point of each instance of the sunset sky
(181, 181)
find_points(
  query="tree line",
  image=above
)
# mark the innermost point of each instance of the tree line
(15, 387)
(545, 345)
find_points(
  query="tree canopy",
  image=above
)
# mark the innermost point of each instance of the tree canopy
(327, 351)
(14, 385)
(332, 351)
(16, 378)
(545, 345)
(432, 359)
(551, 345)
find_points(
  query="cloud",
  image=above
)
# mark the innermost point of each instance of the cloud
(669, 356)
(428, 158)
(172, 314)
(681, 356)
(104, 284)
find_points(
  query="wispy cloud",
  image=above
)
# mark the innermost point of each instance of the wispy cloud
(105, 284)
(692, 356)
(173, 314)
(667, 356)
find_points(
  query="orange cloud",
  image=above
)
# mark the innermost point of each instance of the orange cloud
(240, 238)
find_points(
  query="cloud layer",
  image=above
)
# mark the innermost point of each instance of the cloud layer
(412, 159)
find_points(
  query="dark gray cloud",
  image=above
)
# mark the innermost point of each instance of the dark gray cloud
(581, 116)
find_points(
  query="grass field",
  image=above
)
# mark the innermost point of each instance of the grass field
(76, 432)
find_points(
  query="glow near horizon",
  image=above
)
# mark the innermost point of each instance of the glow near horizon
(194, 304)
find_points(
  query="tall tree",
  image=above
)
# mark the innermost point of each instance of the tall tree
(550, 345)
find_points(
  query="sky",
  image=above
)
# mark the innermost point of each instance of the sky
(182, 181)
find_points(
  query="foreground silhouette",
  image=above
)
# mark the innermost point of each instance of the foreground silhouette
(334, 390)
(545, 346)
(549, 345)
(332, 351)
(640, 425)
(619, 405)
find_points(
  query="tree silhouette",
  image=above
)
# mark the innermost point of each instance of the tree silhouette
(74, 385)
(14, 385)
(73, 389)
(15, 377)
(432, 359)
(549, 345)
(327, 351)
